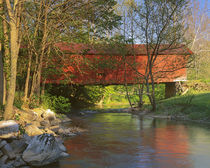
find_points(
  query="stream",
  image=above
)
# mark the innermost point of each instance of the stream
(122, 140)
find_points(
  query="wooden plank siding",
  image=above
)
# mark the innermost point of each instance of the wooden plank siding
(86, 66)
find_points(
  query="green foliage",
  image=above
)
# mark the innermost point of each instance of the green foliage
(61, 104)
(2, 107)
(1, 111)
(199, 85)
(58, 104)
(115, 94)
(21, 129)
(93, 94)
(17, 117)
(160, 91)
(34, 102)
(195, 106)
(18, 102)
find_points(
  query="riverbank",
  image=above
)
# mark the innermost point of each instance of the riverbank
(194, 106)
(34, 138)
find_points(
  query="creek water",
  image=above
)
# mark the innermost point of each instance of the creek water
(122, 140)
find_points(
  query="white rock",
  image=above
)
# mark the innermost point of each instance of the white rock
(8, 129)
(49, 114)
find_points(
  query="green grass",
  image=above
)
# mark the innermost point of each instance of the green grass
(195, 106)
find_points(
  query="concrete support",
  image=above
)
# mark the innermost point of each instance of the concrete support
(170, 89)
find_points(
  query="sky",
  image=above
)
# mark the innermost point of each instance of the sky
(202, 3)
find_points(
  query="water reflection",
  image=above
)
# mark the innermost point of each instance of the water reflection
(126, 141)
(168, 145)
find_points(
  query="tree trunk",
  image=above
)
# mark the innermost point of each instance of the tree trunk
(153, 97)
(44, 80)
(43, 48)
(28, 76)
(6, 59)
(43, 88)
(1, 59)
(9, 113)
(5, 90)
(125, 82)
(38, 70)
(1, 78)
(153, 90)
(34, 80)
(140, 90)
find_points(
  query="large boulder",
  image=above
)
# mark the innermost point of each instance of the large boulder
(7, 150)
(8, 129)
(25, 116)
(48, 131)
(39, 112)
(18, 145)
(45, 123)
(1, 154)
(55, 122)
(3, 159)
(19, 162)
(43, 149)
(49, 115)
(33, 130)
(2, 143)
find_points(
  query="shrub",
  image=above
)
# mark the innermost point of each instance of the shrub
(61, 104)
(18, 102)
(58, 104)
(33, 102)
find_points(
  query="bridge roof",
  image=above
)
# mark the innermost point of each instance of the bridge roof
(138, 49)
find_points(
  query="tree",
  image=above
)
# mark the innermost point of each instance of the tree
(13, 12)
(198, 32)
(160, 28)
(1, 56)
(47, 23)
(5, 55)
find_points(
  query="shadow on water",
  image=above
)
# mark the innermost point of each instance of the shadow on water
(100, 108)
(121, 140)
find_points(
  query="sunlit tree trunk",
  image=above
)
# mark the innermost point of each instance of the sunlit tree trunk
(14, 56)
(14, 21)
(6, 58)
(1, 78)
(1, 58)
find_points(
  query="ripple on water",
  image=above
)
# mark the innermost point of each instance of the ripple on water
(125, 141)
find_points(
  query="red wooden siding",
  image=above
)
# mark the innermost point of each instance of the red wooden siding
(95, 68)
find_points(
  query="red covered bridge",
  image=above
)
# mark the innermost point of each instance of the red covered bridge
(85, 65)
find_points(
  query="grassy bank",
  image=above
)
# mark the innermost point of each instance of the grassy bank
(194, 106)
